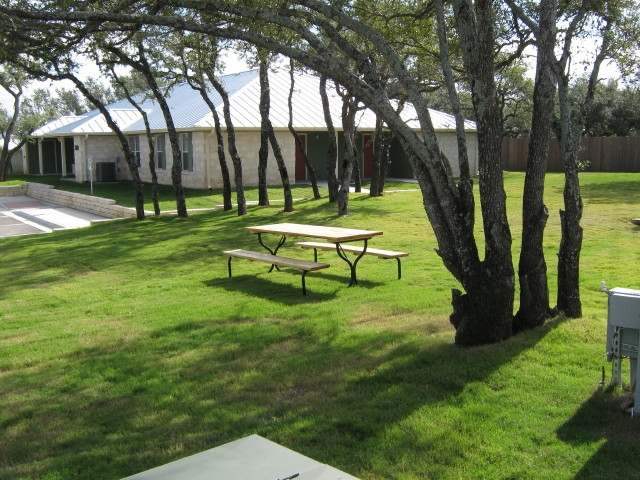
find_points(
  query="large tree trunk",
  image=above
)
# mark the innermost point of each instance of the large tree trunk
(568, 297)
(569, 132)
(233, 151)
(568, 300)
(485, 314)
(532, 267)
(332, 152)
(263, 153)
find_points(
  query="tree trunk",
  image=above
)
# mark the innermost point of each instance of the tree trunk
(6, 153)
(142, 65)
(150, 143)
(222, 160)
(343, 192)
(349, 109)
(152, 168)
(485, 314)
(198, 85)
(374, 187)
(282, 167)
(267, 129)
(532, 267)
(231, 136)
(124, 143)
(310, 169)
(332, 152)
(384, 145)
(176, 167)
(568, 297)
(356, 176)
(263, 153)
(568, 300)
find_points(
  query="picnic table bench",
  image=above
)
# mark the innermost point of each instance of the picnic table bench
(277, 261)
(336, 238)
(376, 252)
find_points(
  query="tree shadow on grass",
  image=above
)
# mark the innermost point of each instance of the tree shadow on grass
(112, 410)
(601, 418)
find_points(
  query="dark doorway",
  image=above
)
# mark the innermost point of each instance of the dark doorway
(301, 168)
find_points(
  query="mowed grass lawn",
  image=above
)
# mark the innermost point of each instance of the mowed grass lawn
(125, 346)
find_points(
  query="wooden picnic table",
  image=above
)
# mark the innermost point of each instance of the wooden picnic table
(335, 235)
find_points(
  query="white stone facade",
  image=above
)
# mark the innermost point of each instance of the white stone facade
(206, 171)
(449, 146)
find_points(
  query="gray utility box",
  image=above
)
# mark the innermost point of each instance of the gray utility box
(623, 334)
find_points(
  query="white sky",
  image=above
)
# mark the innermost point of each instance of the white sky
(233, 64)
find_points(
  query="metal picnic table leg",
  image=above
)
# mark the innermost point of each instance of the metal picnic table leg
(352, 265)
(272, 252)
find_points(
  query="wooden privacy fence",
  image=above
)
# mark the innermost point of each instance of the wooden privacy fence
(603, 154)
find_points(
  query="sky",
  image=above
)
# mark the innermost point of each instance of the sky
(233, 64)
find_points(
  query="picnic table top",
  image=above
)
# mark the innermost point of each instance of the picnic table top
(331, 234)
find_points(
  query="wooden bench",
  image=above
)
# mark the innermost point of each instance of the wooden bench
(277, 261)
(376, 252)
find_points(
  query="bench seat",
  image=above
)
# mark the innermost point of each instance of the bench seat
(278, 261)
(376, 252)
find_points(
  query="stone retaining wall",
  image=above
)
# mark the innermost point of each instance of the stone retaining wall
(103, 207)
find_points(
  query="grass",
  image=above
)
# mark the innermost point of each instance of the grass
(125, 346)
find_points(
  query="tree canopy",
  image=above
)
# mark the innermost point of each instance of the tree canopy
(384, 54)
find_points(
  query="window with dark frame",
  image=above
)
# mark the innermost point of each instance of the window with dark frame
(187, 152)
(134, 146)
(161, 154)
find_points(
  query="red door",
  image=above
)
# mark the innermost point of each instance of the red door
(301, 170)
(367, 155)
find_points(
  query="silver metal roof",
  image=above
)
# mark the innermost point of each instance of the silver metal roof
(190, 112)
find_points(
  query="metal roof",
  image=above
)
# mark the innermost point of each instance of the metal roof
(190, 112)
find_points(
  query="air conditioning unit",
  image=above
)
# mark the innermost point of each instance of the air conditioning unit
(106, 172)
(623, 335)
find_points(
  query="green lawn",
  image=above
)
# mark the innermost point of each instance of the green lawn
(126, 346)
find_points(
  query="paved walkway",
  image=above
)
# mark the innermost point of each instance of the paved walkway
(28, 216)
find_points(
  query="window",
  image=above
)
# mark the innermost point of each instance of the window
(134, 146)
(187, 153)
(161, 154)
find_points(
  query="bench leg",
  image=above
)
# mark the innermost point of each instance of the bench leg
(304, 286)
(272, 252)
(399, 269)
(229, 265)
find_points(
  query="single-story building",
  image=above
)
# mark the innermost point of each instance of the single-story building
(84, 145)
